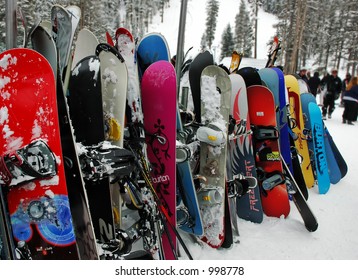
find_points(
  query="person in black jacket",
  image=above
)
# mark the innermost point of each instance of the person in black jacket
(314, 82)
(334, 87)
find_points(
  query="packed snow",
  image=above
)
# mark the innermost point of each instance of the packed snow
(288, 239)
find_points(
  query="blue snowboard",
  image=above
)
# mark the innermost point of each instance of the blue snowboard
(316, 143)
(151, 48)
(334, 171)
(337, 154)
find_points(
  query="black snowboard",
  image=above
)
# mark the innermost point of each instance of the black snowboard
(76, 192)
(86, 111)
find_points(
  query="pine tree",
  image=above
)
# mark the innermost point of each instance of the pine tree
(203, 44)
(351, 37)
(212, 11)
(243, 31)
(227, 42)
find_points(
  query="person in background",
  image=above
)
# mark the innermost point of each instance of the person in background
(344, 85)
(314, 83)
(303, 74)
(334, 88)
(350, 100)
(308, 75)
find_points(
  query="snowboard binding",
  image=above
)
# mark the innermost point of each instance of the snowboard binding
(265, 133)
(270, 180)
(105, 160)
(211, 134)
(240, 185)
(34, 161)
(209, 196)
(184, 217)
(183, 153)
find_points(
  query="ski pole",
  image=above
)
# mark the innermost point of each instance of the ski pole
(162, 209)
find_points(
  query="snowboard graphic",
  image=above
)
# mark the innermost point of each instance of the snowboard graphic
(32, 166)
(159, 110)
(316, 143)
(274, 196)
(319, 149)
(243, 161)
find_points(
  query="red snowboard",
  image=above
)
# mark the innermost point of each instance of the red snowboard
(262, 115)
(39, 208)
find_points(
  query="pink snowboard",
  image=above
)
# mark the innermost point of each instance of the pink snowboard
(159, 110)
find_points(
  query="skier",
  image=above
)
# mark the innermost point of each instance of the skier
(334, 87)
(314, 82)
(351, 102)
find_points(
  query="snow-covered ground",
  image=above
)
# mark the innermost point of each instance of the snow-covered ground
(287, 239)
(282, 239)
(336, 237)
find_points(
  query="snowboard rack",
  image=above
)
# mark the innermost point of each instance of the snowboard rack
(33, 161)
